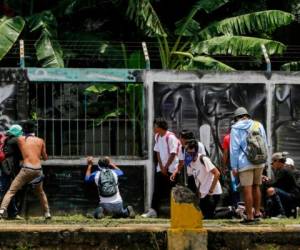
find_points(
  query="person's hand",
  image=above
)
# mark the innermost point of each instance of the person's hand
(264, 178)
(173, 176)
(89, 160)
(235, 172)
(164, 171)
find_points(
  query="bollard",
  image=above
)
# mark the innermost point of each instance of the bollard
(186, 231)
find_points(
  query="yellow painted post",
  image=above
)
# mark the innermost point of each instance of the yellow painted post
(186, 231)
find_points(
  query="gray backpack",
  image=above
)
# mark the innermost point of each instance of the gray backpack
(256, 151)
(107, 184)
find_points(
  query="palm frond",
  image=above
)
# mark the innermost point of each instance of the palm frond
(144, 15)
(261, 21)
(237, 45)
(291, 66)
(10, 29)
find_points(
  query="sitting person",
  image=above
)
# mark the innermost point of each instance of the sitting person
(283, 192)
(106, 179)
(206, 177)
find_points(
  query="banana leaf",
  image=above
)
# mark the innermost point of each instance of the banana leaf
(237, 45)
(48, 49)
(208, 63)
(144, 15)
(256, 22)
(10, 29)
(291, 66)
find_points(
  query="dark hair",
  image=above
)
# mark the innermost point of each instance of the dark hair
(187, 134)
(103, 162)
(283, 160)
(28, 126)
(192, 144)
(161, 123)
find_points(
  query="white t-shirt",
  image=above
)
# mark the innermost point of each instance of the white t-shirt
(181, 155)
(203, 176)
(165, 149)
(113, 199)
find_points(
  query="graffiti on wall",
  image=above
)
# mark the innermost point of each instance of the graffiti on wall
(207, 109)
(13, 96)
(286, 120)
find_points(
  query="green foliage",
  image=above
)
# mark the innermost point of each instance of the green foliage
(10, 30)
(262, 21)
(291, 66)
(48, 49)
(236, 45)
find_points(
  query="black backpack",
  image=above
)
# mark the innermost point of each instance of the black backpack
(107, 184)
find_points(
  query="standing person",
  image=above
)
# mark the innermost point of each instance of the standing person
(234, 180)
(246, 161)
(185, 136)
(283, 192)
(32, 149)
(10, 166)
(106, 179)
(206, 177)
(166, 147)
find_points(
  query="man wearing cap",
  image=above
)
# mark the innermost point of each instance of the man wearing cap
(10, 166)
(33, 149)
(249, 173)
(283, 192)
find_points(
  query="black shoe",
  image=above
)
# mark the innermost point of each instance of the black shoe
(248, 222)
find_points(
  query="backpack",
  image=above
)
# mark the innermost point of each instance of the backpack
(2, 143)
(107, 184)
(256, 150)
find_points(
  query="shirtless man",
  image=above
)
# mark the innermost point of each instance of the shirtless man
(32, 149)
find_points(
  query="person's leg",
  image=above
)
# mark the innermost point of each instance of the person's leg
(257, 180)
(116, 210)
(277, 207)
(246, 180)
(158, 191)
(43, 198)
(21, 179)
(204, 207)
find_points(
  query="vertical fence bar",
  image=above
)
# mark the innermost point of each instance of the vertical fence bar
(101, 138)
(93, 136)
(134, 121)
(109, 132)
(118, 124)
(53, 135)
(45, 115)
(77, 125)
(85, 127)
(69, 120)
(62, 96)
(126, 119)
(36, 109)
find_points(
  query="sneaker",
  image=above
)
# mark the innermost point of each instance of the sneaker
(99, 213)
(47, 215)
(278, 217)
(131, 212)
(18, 217)
(3, 214)
(150, 214)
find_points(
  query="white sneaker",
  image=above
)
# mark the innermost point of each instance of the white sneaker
(47, 215)
(150, 214)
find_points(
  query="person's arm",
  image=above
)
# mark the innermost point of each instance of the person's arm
(178, 170)
(216, 174)
(89, 167)
(44, 153)
(234, 151)
(162, 169)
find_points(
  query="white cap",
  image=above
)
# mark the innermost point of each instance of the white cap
(289, 161)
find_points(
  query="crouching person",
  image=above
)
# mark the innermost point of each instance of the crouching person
(206, 178)
(106, 180)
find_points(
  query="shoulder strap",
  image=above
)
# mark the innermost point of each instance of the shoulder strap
(201, 158)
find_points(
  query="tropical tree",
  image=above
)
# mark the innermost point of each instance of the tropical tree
(194, 47)
(42, 27)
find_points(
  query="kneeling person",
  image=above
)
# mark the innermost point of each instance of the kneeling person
(106, 179)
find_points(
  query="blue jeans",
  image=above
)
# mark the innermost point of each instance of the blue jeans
(116, 210)
(5, 181)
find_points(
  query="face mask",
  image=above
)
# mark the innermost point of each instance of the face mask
(189, 158)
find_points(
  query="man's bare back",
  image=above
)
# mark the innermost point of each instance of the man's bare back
(32, 149)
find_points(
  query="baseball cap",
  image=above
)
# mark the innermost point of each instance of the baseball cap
(278, 156)
(15, 130)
